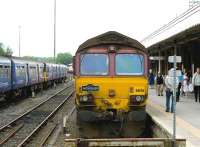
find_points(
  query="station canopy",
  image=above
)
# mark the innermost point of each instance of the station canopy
(188, 35)
(111, 37)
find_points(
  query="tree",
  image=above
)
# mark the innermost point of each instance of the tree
(64, 58)
(2, 52)
(5, 52)
(9, 51)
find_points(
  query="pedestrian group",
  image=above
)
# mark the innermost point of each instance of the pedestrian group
(183, 86)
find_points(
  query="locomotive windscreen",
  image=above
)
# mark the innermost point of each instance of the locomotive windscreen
(129, 64)
(94, 64)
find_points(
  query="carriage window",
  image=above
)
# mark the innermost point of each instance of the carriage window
(1, 71)
(33, 72)
(94, 64)
(41, 69)
(20, 70)
(4, 71)
(129, 64)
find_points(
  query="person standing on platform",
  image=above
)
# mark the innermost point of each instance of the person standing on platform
(196, 84)
(186, 84)
(169, 82)
(180, 85)
(151, 78)
(159, 84)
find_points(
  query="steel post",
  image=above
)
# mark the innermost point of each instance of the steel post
(174, 100)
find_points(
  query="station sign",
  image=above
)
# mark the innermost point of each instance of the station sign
(171, 59)
(156, 58)
(171, 73)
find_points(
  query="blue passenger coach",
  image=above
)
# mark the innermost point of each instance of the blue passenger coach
(5, 75)
(20, 78)
(19, 74)
(33, 76)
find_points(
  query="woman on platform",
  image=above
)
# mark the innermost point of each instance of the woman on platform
(185, 84)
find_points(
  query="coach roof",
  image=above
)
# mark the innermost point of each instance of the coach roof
(4, 60)
(111, 37)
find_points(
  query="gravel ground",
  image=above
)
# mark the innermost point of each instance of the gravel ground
(57, 137)
(57, 140)
(15, 109)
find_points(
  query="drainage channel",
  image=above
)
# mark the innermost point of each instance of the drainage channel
(154, 135)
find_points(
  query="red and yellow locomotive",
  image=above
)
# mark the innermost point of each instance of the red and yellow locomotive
(110, 73)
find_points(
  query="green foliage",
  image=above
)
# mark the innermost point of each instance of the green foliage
(2, 52)
(9, 51)
(5, 51)
(64, 58)
(39, 59)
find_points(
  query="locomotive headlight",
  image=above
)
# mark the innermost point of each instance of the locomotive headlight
(138, 98)
(84, 98)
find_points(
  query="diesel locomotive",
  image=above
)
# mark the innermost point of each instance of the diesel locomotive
(110, 72)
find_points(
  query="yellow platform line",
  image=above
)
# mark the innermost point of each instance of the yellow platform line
(180, 122)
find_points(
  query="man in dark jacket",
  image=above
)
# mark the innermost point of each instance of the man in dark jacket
(151, 79)
(159, 83)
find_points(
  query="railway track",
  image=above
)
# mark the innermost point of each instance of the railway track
(19, 131)
(50, 138)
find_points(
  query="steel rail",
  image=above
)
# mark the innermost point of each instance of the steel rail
(44, 121)
(13, 123)
(41, 144)
(66, 118)
(53, 129)
(35, 107)
(11, 134)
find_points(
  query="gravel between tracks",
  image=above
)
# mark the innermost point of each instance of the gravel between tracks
(15, 109)
(56, 138)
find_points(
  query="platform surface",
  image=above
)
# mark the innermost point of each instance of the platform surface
(188, 116)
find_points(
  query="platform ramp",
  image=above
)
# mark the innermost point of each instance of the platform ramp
(128, 142)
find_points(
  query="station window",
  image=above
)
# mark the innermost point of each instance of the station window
(94, 64)
(129, 64)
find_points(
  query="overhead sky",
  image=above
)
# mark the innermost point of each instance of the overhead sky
(79, 20)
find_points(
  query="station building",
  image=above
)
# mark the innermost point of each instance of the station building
(185, 44)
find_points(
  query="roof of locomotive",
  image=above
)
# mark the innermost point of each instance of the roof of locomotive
(111, 37)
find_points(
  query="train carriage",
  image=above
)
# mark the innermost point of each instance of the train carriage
(5, 75)
(48, 73)
(20, 78)
(41, 72)
(33, 74)
(63, 72)
(19, 74)
(60, 69)
(54, 66)
(111, 79)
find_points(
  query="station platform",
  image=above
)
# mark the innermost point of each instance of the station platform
(187, 119)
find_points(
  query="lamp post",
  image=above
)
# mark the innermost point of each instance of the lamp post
(174, 59)
(174, 101)
(54, 31)
(19, 39)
